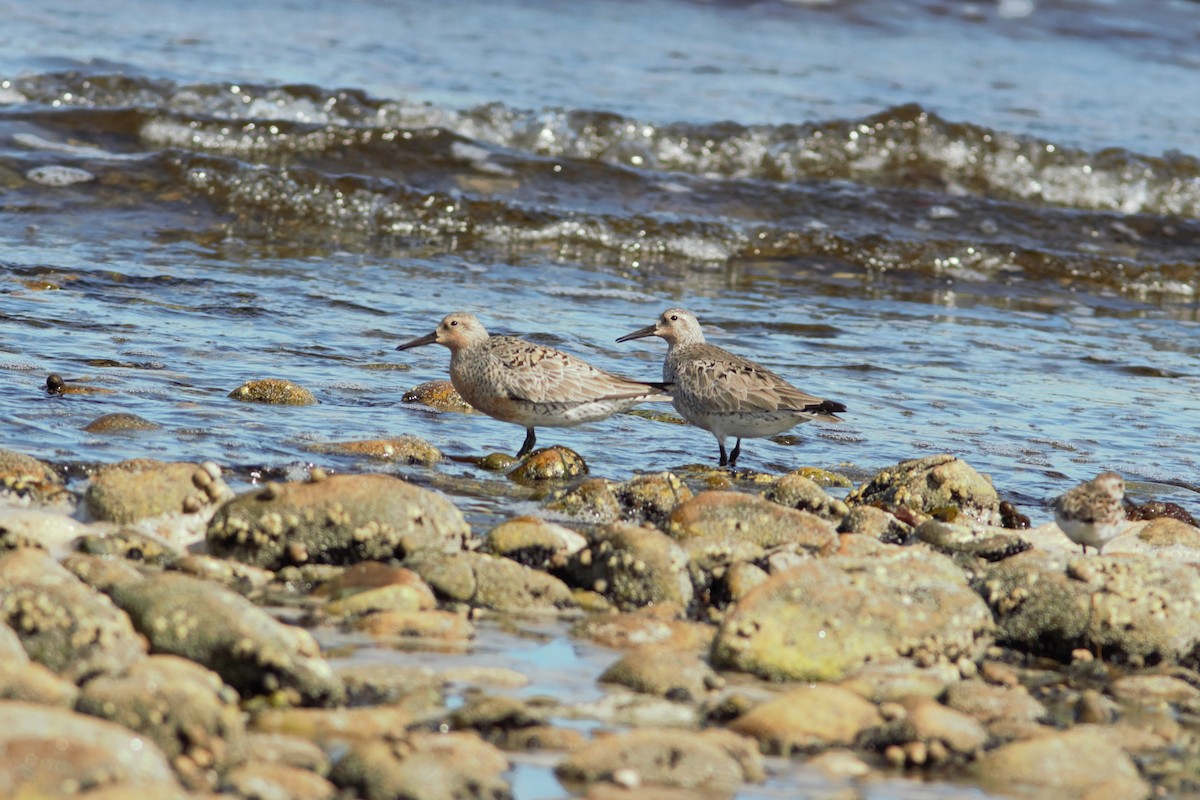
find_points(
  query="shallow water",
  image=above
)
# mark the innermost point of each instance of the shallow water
(978, 226)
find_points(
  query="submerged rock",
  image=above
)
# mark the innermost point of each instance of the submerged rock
(1132, 605)
(274, 391)
(52, 752)
(133, 490)
(121, 422)
(940, 486)
(405, 449)
(223, 631)
(337, 520)
(826, 617)
(63, 624)
(440, 396)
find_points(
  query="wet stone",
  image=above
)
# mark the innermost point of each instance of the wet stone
(640, 628)
(425, 766)
(63, 624)
(35, 527)
(292, 751)
(652, 497)
(223, 631)
(548, 464)
(1006, 711)
(274, 391)
(484, 581)
(332, 728)
(1164, 532)
(533, 542)
(633, 566)
(714, 760)
(1084, 761)
(941, 486)
(241, 578)
(371, 586)
(737, 516)
(593, 500)
(183, 708)
(424, 629)
(340, 519)
(988, 542)
(440, 396)
(407, 449)
(877, 524)
(391, 684)
(121, 422)
(133, 490)
(807, 719)
(130, 544)
(28, 681)
(664, 671)
(26, 476)
(825, 618)
(52, 752)
(277, 782)
(794, 490)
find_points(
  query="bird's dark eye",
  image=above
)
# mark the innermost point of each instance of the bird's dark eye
(674, 318)
(453, 323)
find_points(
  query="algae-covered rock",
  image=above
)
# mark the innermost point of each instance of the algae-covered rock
(440, 396)
(337, 520)
(984, 541)
(208, 624)
(593, 500)
(742, 516)
(548, 464)
(940, 486)
(489, 582)
(424, 766)
(52, 752)
(28, 681)
(826, 617)
(714, 760)
(273, 391)
(405, 449)
(180, 706)
(806, 719)
(63, 624)
(1128, 605)
(132, 490)
(634, 566)
(794, 490)
(1083, 762)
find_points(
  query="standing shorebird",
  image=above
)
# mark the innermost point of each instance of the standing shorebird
(726, 394)
(1092, 512)
(530, 384)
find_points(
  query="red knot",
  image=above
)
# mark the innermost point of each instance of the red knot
(530, 384)
(726, 394)
(1092, 512)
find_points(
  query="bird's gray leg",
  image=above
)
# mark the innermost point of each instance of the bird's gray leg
(530, 439)
(737, 451)
(724, 457)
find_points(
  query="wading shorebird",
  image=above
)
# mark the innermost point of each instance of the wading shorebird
(530, 384)
(1092, 512)
(726, 394)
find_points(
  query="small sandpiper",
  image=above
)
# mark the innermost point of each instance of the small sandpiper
(1092, 513)
(726, 394)
(530, 384)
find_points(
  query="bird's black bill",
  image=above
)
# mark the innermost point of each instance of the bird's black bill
(640, 333)
(428, 338)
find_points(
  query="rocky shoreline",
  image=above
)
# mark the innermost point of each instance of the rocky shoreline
(155, 634)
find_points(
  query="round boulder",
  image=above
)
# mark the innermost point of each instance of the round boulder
(132, 490)
(340, 519)
(827, 617)
(940, 486)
